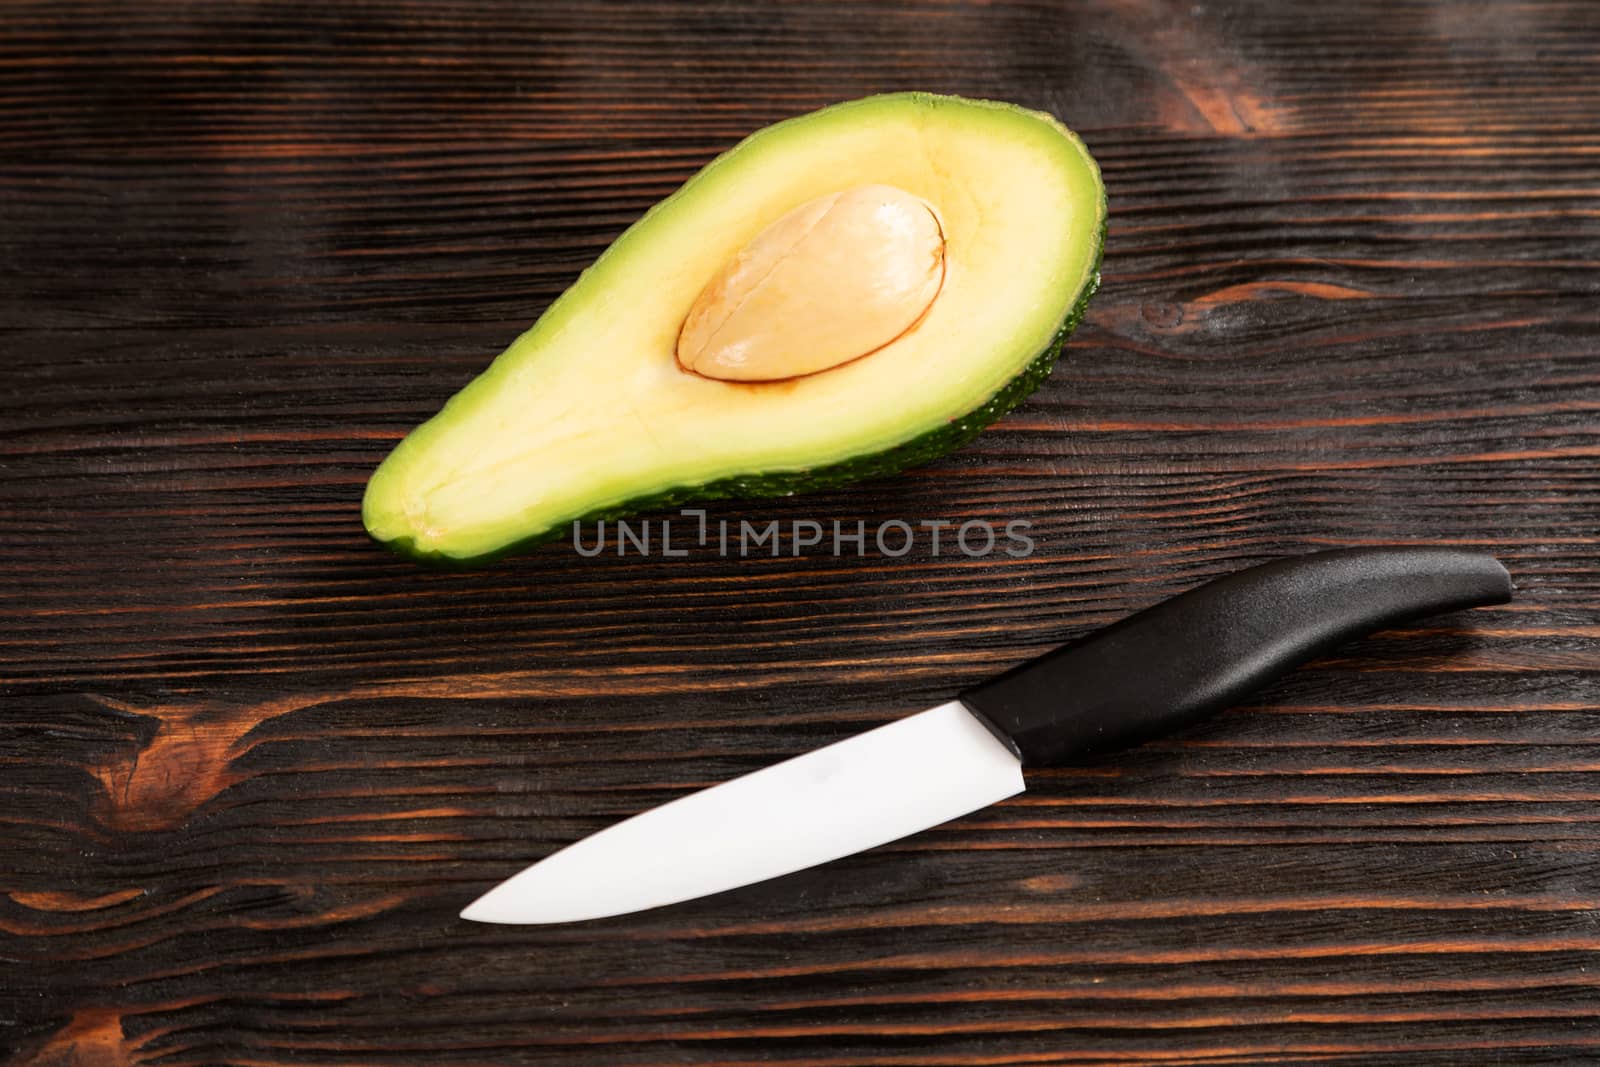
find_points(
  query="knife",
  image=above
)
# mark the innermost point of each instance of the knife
(1154, 672)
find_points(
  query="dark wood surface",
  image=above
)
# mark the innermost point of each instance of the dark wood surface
(251, 766)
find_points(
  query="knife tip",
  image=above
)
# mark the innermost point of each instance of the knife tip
(516, 909)
(484, 910)
(513, 909)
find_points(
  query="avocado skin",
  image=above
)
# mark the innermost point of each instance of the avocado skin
(910, 453)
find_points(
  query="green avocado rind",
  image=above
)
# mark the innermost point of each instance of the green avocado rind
(912, 452)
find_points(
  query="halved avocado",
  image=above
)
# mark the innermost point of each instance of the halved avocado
(589, 414)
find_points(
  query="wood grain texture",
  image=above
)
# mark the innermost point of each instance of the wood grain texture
(251, 767)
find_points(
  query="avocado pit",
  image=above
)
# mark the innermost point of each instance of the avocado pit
(835, 279)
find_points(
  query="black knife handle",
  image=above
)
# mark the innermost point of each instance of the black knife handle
(1204, 650)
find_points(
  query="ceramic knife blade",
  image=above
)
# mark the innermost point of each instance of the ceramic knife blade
(852, 795)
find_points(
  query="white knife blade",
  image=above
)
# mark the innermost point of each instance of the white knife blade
(856, 794)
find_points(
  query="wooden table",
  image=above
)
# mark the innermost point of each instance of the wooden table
(251, 766)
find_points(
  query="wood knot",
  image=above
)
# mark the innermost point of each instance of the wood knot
(93, 1038)
(181, 764)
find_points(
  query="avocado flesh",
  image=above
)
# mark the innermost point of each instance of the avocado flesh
(588, 414)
